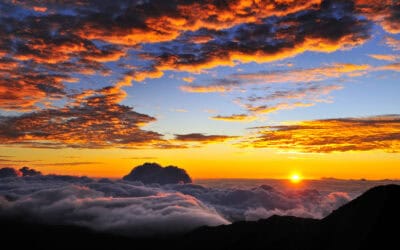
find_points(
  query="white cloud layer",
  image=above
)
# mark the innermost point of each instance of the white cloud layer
(134, 209)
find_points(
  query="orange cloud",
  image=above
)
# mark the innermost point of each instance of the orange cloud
(235, 81)
(289, 37)
(188, 79)
(202, 138)
(94, 119)
(393, 43)
(207, 89)
(307, 75)
(385, 57)
(235, 118)
(143, 25)
(392, 66)
(332, 135)
(384, 12)
(265, 109)
(39, 8)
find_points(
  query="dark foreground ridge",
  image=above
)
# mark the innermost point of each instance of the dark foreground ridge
(371, 221)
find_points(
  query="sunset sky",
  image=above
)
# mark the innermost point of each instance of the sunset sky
(223, 89)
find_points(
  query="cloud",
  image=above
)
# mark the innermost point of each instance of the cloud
(80, 205)
(385, 12)
(385, 57)
(93, 119)
(393, 43)
(129, 207)
(153, 173)
(315, 74)
(74, 163)
(329, 203)
(235, 118)
(42, 51)
(266, 109)
(306, 75)
(202, 138)
(392, 67)
(309, 91)
(333, 135)
(188, 79)
(223, 86)
(37, 59)
(323, 29)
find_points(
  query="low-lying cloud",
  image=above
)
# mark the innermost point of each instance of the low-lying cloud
(135, 209)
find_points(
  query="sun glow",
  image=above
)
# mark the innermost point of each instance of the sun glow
(295, 178)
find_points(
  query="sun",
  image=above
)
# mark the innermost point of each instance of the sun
(295, 178)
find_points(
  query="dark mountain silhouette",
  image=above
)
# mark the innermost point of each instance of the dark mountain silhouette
(26, 171)
(149, 173)
(369, 222)
(8, 172)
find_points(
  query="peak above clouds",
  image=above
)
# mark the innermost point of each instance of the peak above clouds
(154, 173)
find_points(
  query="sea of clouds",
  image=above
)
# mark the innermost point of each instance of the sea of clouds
(135, 209)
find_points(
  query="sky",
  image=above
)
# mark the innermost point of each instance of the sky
(223, 89)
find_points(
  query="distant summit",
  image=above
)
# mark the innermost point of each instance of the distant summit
(154, 173)
(12, 172)
(26, 171)
(8, 172)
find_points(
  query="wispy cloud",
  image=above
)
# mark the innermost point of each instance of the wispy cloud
(235, 118)
(202, 138)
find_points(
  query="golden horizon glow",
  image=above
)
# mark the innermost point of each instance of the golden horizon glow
(296, 178)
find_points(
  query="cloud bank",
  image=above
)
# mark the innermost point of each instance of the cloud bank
(136, 209)
(333, 135)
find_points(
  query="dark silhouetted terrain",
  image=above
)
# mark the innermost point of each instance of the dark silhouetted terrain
(369, 222)
(149, 173)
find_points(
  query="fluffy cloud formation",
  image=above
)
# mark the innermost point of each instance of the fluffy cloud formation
(130, 207)
(60, 202)
(324, 136)
(332, 26)
(386, 13)
(42, 50)
(93, 119)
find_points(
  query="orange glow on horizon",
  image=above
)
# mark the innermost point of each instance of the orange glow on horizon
(296, 178)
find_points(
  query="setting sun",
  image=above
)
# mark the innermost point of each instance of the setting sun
(295, 178)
